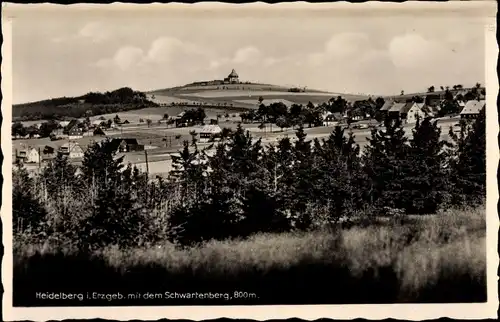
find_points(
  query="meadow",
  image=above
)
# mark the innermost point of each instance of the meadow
(379, 260)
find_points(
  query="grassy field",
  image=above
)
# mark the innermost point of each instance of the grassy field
(425, 259)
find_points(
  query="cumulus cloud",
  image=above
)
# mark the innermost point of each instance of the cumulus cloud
(162, 51)
(247, 55)
(412, 51)
(346, 44)
(95, 31)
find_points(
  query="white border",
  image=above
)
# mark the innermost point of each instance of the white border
(309, 312)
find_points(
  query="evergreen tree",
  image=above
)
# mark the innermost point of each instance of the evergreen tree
(28, 213)
(386, 165)
(426, 182)
(469, 165)
(301, 188)
(116, 216)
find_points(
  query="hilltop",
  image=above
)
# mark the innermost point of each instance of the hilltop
(233, 93)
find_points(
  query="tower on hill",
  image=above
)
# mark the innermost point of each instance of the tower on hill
(232, 78)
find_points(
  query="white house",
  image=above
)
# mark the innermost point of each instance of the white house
(72, 150)
(209, 132)
(329, 119)
(411, 111)
(28, 155)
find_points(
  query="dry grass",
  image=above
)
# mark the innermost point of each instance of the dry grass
(419, 259)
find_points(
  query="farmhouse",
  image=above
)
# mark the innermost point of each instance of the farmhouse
(232, 78)
(72, 150)
(75, 133)
(209, 132)
(28, 155)
(472, 109)
(411, 111)
(126, 145)
(329, 119)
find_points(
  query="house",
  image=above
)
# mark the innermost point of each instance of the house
(386, 107)
(412, 111)
(99, 132)
(210, 132)
(75, 133)
(126, 145)
(28, 155)
(472, 109)
(393, 111)
(329, 119)
(72, 150)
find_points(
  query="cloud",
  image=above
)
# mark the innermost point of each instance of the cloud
(247, 55)
(346, 44)
(164, 52)
(413, 51)
(95, 31)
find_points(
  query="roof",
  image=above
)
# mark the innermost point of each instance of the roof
(396, 107)
(64, 123)
(212, 128)
(233, 74)
(407, 107)
(71, 146)
(387, 105)
(473, 107)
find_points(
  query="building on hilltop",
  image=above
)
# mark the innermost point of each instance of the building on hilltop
(232, 78)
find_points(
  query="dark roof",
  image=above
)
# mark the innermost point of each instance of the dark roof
(387, 105)
(406, 107)
(233, 74)
(396, 107)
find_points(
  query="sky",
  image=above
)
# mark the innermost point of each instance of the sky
(380, 54)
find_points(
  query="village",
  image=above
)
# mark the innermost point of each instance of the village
(148, 142)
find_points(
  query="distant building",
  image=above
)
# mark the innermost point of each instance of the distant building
(75, 133)
(63, 124)
(472, 109)
(329, 119)
(72, 150)
(126, 145)
(232, 78)
(28, 155)
(210, 132)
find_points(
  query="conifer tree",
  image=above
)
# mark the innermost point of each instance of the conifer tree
(386, 165)
(469, 165)
(301, 187)
(28, 213)
(426, 182)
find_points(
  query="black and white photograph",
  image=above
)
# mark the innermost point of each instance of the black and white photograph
(249, 156)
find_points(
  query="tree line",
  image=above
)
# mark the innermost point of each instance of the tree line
(122, 99)
(244, 187)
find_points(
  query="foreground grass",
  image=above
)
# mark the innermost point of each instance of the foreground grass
(436, 258)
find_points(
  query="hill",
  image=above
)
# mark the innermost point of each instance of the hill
(93, 103)
(241, 95)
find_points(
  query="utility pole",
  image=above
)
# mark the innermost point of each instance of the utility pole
(39, 159)
(147, 165)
